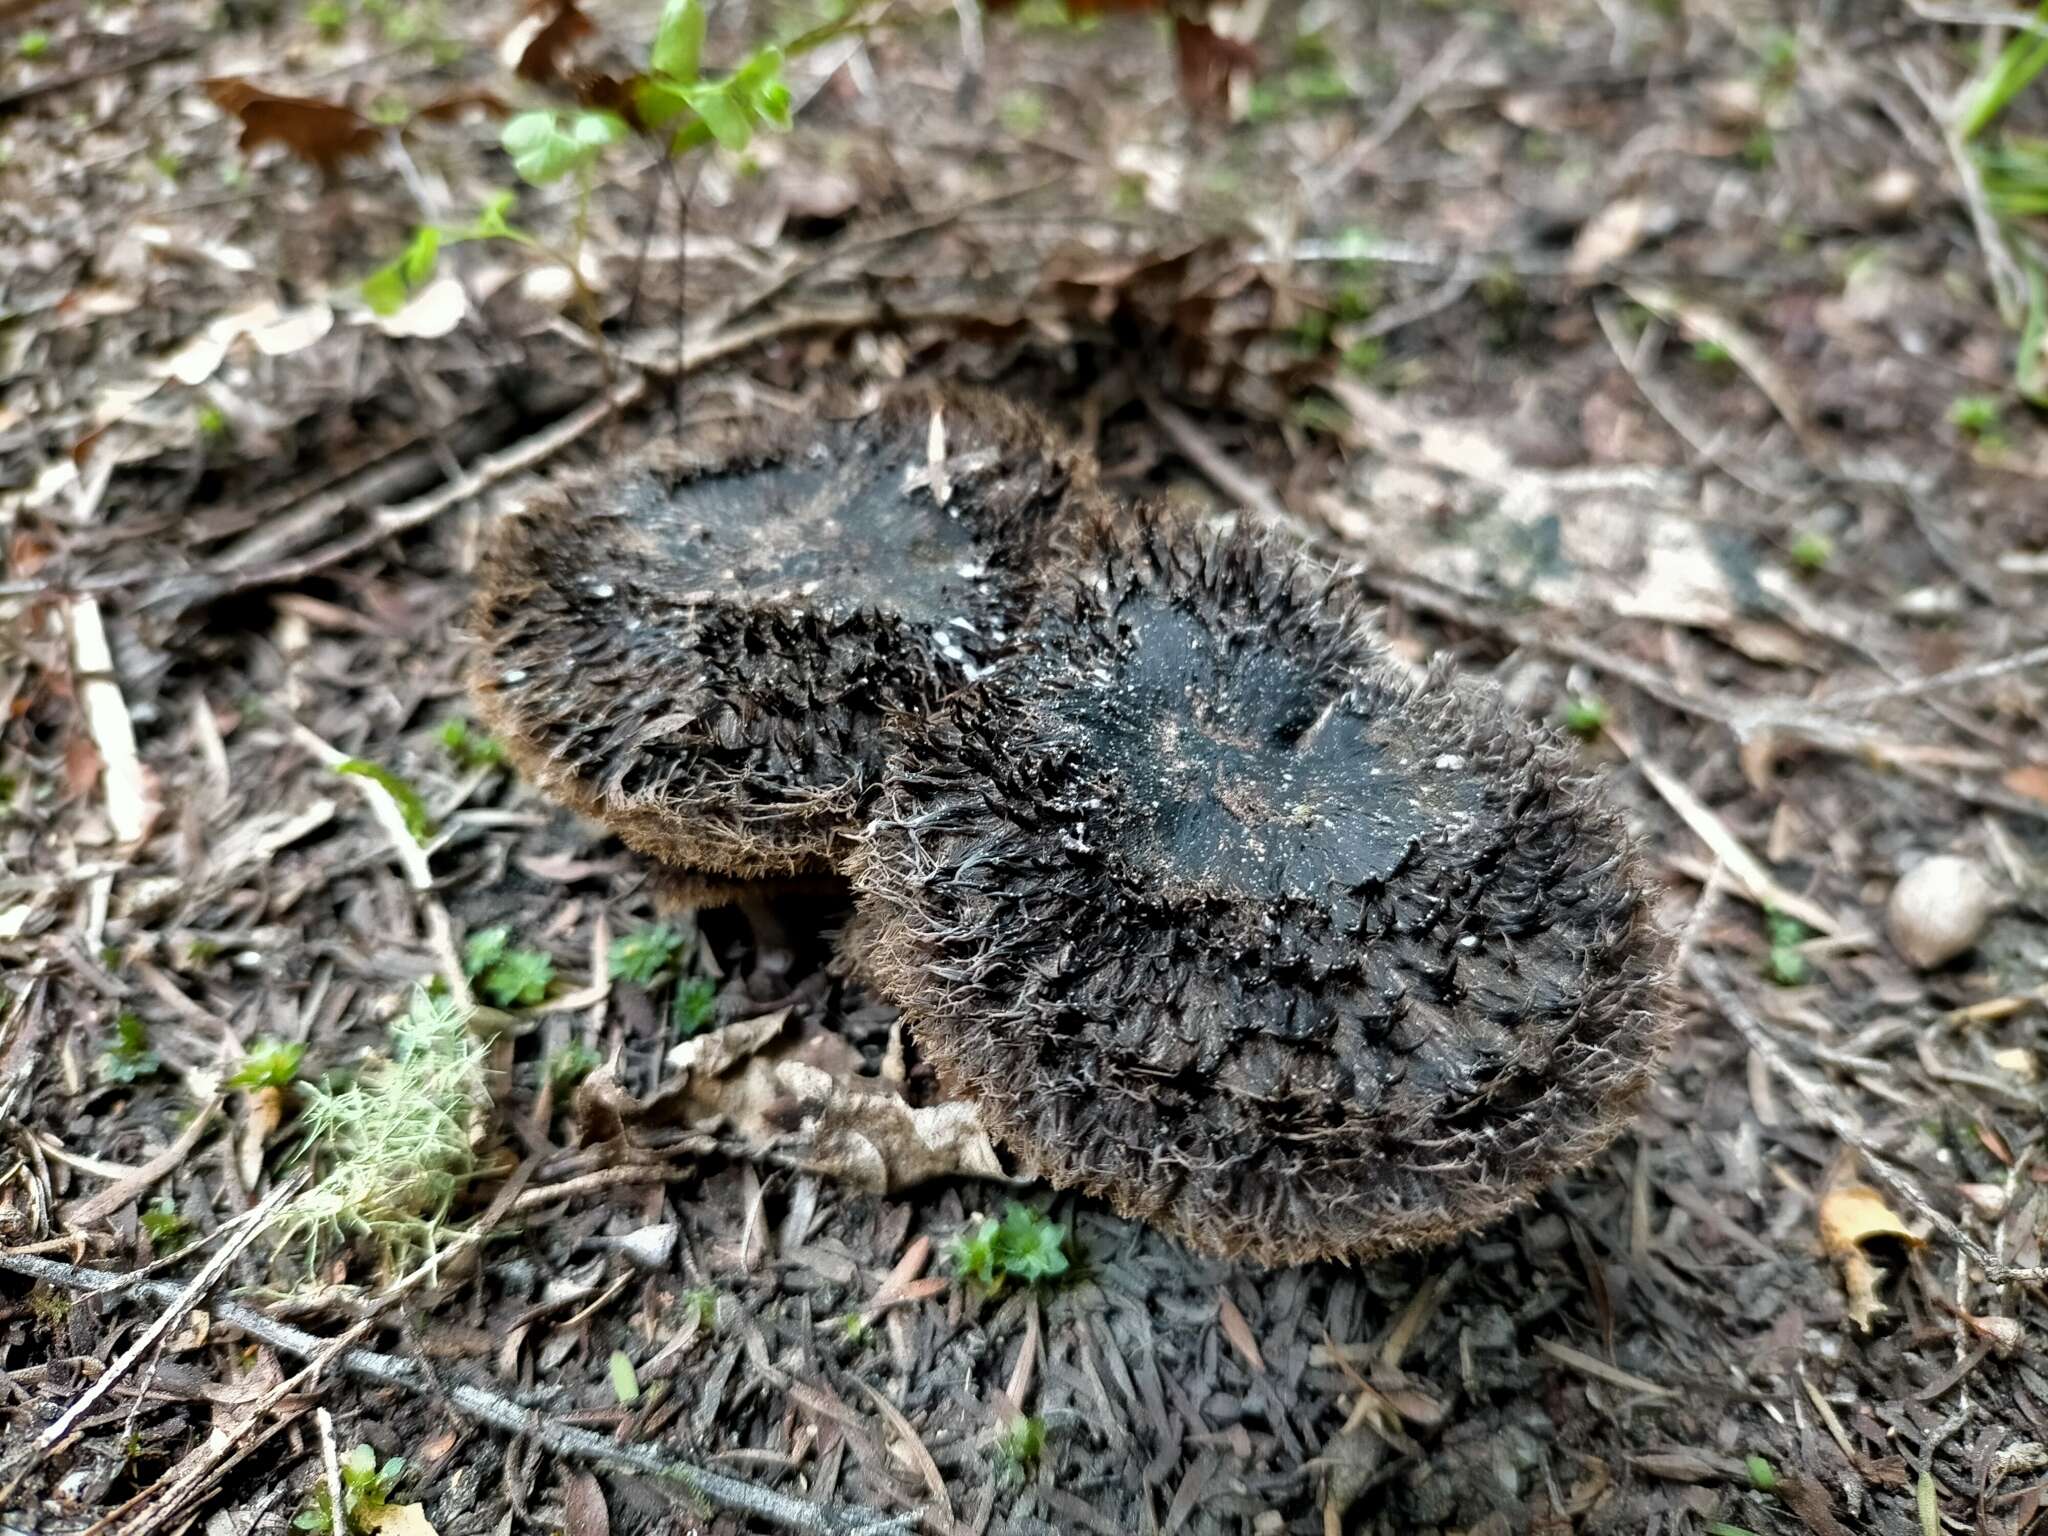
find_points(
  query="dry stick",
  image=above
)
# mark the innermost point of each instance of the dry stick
(131, 1182)
(1728, 1002)
(178, 1300)
(487, 1407)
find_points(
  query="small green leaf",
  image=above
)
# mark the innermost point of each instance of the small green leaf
(642, 957)
(695, 1002)
(660, 102)
(972, 1252)
(1761, 1476)
(1029, 1247)
(384, 290)
(679, 41)
(571, 1064)
(269, 1064)
(625, 1384)
(519, 980)
(486, 947)
(168, 1231)
(491, 222)
(410, 806)
(725, 117)
(544, 149)
(129, 1059)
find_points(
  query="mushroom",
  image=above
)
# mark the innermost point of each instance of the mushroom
(1221, 918)
(700, 649)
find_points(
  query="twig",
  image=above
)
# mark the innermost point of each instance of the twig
(412, 858)
(106, 715)
(2008, 282)
(486, 1407)
(1845, 1127)
(1438, 72)
(177, 1301)
(1757, 882)
(337, 1512)
(94, 1209)
(1203, 453)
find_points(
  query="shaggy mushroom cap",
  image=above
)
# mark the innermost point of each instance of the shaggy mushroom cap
(700, 649)
(1221, 919)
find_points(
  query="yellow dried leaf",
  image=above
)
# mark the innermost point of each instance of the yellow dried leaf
(399, 1520)
(1852, 1215)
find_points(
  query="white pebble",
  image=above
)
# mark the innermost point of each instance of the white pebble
(1938, 910)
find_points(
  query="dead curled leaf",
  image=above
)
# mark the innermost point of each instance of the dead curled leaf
(802, 1095)
(1852, 1218)
(322, 133)
(398, 1520)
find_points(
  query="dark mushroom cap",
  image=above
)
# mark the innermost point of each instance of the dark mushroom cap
(700, 649)
(1222, 919)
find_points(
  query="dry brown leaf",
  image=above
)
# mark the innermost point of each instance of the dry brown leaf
(1239, 1332)
(538, 46)
(584, 1512)
(1205, 60)
(399, 1520)
(262, 1113)
(1851, 1217)
(321, 133)
(2029, 779)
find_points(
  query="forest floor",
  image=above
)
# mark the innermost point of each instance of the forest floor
(1663, 362)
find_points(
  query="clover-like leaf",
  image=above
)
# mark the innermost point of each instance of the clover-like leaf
(679, 41)
(545, 146)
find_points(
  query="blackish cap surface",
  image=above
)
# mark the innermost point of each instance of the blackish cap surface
(1222, 919)
(701, 649)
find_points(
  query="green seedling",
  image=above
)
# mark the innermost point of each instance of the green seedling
(33, 44)
(328, 17)
(1786, 963)
(1762, 1477)
(269, 1064)
(1811, 551)
(571, 1064)
(1586, 715)
(625, 1381)
(702, 1300)
(1711, 353)
(645, 956)
(129, 1059)
(469, 747)
(696, 1002)
(391, 1148)
(1977, 416)
(1024, 1246)
(2015, 67)
(168, 1231)
(510, 978)
(365, 1495)
(1019, 1446)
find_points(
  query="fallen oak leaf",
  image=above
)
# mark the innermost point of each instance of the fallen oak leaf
(1851, 1217)
(536, 48)
(322, 133)
(1206, 59)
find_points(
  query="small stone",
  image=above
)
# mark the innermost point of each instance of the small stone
(1938, 910)
(1893, 191)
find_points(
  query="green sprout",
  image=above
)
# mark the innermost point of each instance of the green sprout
(365, 1495)
(510, 978)
(695, 1003)
(2011, 72)
(213, 422)
(702, 1301)
(329, 18)
(547, 145)
(1976, 416)
(1586, 715)
(168, 1231)
(129, 1059)
(269, 1064)
(1811, 551)
(1712, 354)
(625, 1380)
(391, 1148)
(1024, 1246)
(1786, 963)
(571, 1064)
(1019, 1446)
(34, 44)
(470, 747)
(643, 957)
(1761, 1475)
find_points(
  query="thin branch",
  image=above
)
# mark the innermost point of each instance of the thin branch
(485, 1407)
